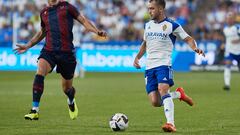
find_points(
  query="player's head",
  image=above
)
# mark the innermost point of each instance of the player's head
(230, 18)
(156, 8)
(52, 2)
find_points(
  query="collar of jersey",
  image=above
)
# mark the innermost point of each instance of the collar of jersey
(160, 21)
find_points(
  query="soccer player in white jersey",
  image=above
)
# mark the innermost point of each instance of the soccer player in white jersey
(159, 36)
(232, 47)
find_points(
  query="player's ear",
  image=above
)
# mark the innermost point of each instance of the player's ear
(160, 8)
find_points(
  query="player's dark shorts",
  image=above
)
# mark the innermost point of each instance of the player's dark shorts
(154, 76)
(65, 62)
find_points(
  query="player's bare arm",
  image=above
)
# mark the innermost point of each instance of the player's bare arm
(141, 52)
(90, 26)
(236, 42)
(191, 42)
(21, 48)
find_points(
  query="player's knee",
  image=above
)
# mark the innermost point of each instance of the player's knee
(156, 103)
(41, 71)
(163, 90)
(67, 76)
(66, 87)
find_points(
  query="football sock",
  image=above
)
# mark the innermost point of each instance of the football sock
(227, 75)
(175, 94)
(70, 94)
(168, 108)
(38, 86)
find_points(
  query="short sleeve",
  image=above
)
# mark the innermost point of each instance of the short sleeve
(180, 32)
(41, 19)
(42, 23)
(73, 11)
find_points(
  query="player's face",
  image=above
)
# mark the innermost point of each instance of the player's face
(52, 2)
(230, 20)
(155, 10)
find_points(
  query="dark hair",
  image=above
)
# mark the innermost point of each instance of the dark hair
(159, 2)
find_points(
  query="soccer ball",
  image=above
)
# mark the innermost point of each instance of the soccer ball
(118, 122)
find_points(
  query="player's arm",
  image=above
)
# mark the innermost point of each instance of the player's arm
(90, 26)
(192, 43)
(141, 52)
(21, 48)
(84, 21)
(179, 32)
(237, 41)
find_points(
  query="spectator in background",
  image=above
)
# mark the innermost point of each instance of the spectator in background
(201, 31)
(114, 15)
(129, 32)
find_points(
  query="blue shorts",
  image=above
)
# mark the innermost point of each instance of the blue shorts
(232, 57)
(154, 76)
(65, 62)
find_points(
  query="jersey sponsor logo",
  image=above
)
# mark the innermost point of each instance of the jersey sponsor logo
(156, 35)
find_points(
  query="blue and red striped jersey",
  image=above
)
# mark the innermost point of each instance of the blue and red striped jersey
(58, 21)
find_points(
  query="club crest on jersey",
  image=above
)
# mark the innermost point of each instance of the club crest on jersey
(164, 27)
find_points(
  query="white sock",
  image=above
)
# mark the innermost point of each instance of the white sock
(35, 108)
(168, 108)
(175, 94)
(70, 103)
(227, 76)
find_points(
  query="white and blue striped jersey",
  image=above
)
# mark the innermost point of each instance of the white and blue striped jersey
(232, 33)
(160, 38)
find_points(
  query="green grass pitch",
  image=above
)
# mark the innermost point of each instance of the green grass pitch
(100, 95)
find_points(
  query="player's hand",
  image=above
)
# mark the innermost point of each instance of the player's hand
(102, 33)
(136, 63)
(199, 51)
(20, 49)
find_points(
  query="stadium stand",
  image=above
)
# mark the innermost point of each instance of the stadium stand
(117, 17)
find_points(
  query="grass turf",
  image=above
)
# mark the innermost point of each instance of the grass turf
(100, 95)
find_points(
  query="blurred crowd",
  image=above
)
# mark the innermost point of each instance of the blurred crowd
(209, 22)
(123, 20)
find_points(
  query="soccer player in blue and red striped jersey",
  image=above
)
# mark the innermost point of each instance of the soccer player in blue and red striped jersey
(57, 21)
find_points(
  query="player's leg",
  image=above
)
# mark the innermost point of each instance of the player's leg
(182, 96)
(155, 98)
(238, 65)
(237, 58)
(227, 74)
(165, 81)
(69, 90)
(168, 107)
(67, 67)
(151, 88)
(154, 95)
(38, 86)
